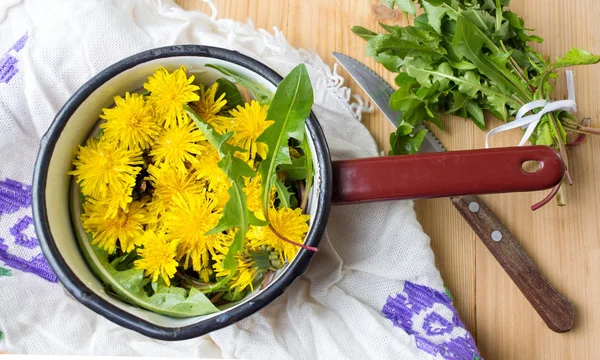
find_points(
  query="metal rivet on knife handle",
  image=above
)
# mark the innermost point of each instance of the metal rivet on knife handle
(473, 206)
(496, 235)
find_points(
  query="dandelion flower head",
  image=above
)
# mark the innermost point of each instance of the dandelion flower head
(101, 166)
(130, 122)
(169, 92)
(157, 256)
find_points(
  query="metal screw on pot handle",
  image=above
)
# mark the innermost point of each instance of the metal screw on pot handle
(556, 311)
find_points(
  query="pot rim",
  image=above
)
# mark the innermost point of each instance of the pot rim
(124, 318)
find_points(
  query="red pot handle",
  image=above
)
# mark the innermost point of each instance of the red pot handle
(452, 173)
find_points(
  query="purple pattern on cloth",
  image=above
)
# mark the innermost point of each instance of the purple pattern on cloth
(418, 301)
(14, 196)
(8, 62)
(37, 265)
(435, 324)
(20, 238)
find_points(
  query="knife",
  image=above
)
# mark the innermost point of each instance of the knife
(556, 311)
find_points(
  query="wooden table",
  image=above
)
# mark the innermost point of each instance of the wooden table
(563, 242)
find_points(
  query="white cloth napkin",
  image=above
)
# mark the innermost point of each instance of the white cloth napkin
(372, 290)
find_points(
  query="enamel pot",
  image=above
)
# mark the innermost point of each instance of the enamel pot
(338, 182)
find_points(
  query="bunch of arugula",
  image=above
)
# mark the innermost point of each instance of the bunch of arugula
(464, 57)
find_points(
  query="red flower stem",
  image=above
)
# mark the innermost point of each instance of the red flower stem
(578, 141)
(568, 175)
(310, 248)
(546, 199)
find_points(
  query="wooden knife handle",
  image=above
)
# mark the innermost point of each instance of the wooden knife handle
(556, 311)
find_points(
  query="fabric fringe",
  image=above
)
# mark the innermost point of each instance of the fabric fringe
(278, 45)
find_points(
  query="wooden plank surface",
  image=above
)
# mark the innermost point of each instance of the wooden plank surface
(563, 242)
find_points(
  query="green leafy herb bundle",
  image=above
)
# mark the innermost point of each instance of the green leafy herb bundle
(464, 57)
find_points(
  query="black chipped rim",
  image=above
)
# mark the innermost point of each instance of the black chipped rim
(124, 318)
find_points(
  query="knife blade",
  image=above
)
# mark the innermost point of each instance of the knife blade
(556, 311)
(379, 91)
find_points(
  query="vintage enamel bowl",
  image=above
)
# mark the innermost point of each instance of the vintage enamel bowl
(53, 190)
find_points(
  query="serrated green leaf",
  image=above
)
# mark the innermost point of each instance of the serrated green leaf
(404, 129)
(408, 6)
(363, 32)
(403, 47)
(289, 109)
(218, 141)
(402, 143)
(516, 24)
(405, 83)
(130, 285)
(576, 57)
(390, 28)
(482, 19)
(425, 76)
(283, 194)
(459, 101)
(437, 2)
(232, 94)
(435, 14)
(471, 84)
(463, 65)
(498, 104)
(296, 170)
(501, 58)
(416, 114)
(543, 135)
(179, 300)
(468, 43)
(502, 34)
(260, 93)
(235, 212)
(476, 114)
(389, 61)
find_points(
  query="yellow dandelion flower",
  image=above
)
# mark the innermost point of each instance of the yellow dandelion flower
(208, 106)
(207, 169)
(291, 224)
(167, 183)
(246, 273)
(246, 268)
(178, 144)
(158, 257)
(102, 165)
(188, 220)
(248, 123)
(116, 200)
(168, 94)
(220, 193)
(131, 122)
(253, 190)
(126, 227)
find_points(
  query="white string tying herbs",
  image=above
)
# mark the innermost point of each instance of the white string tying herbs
(531, 121)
